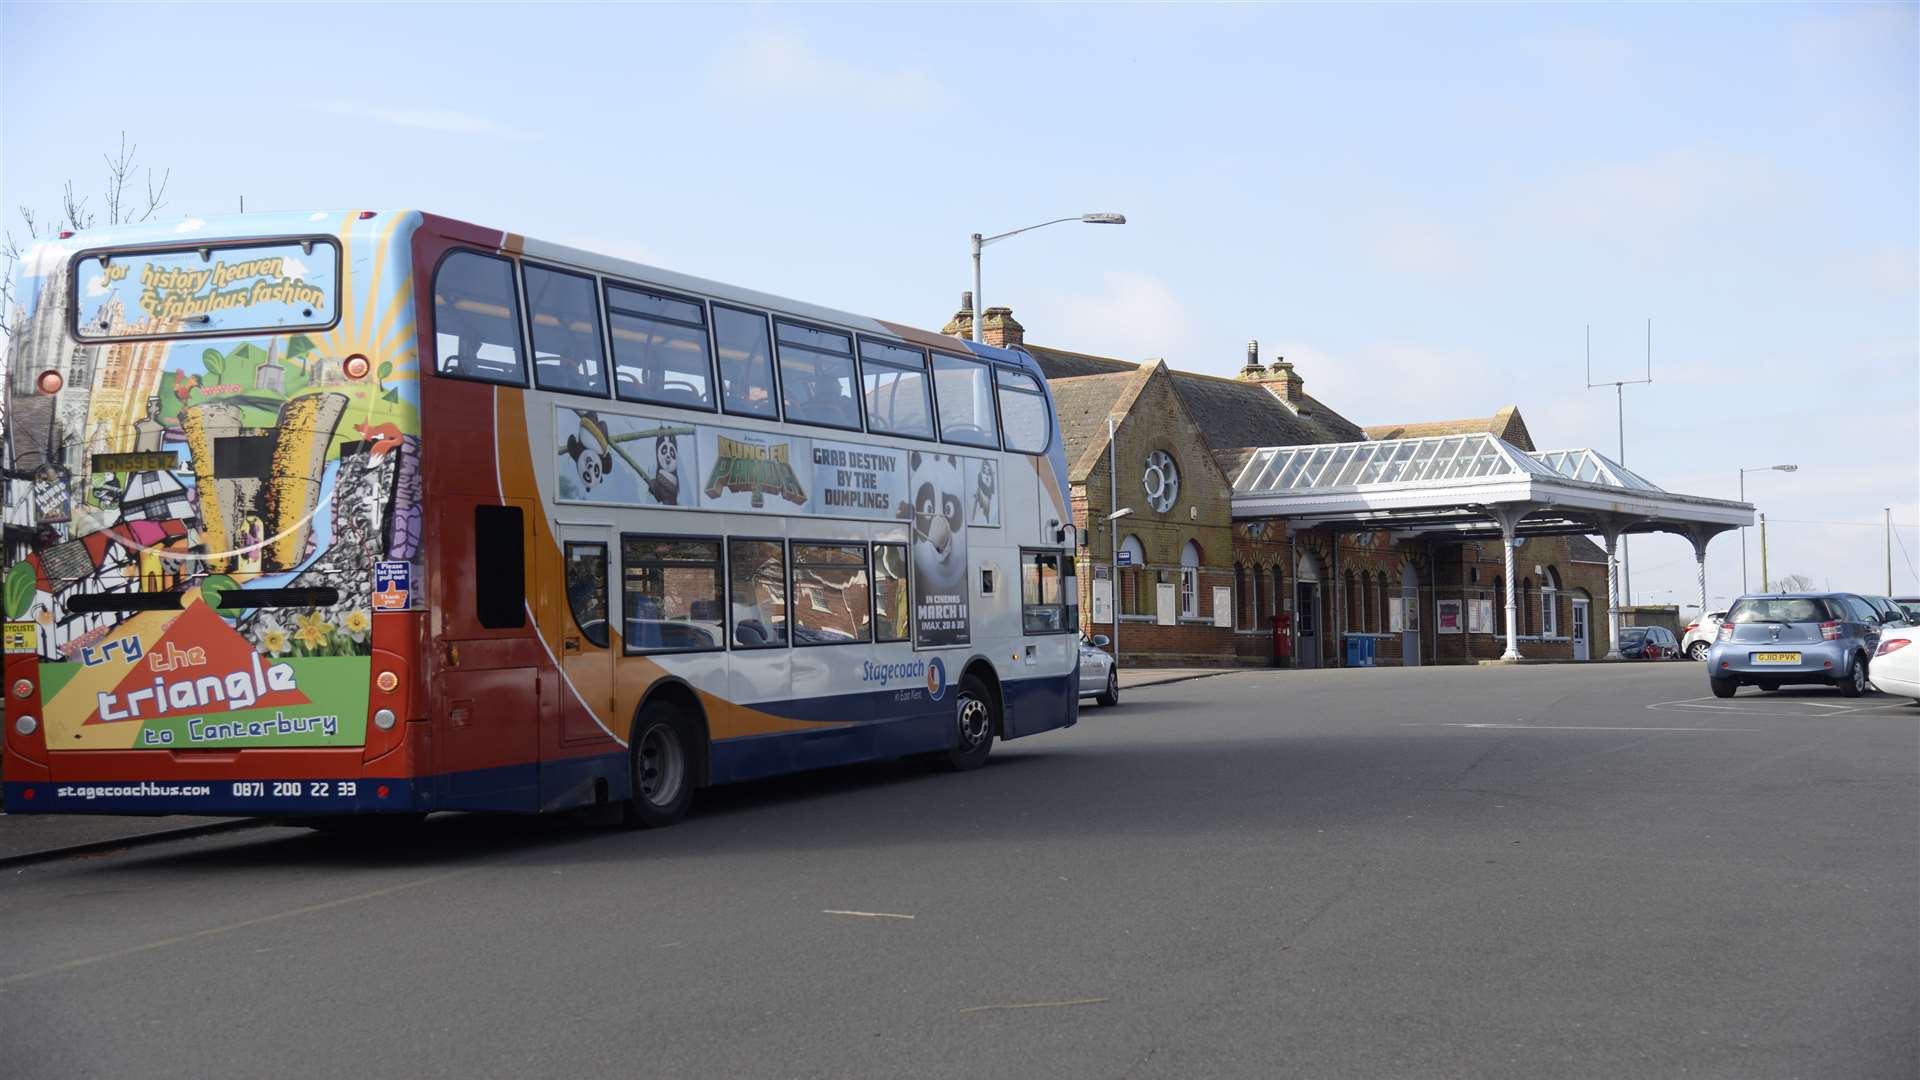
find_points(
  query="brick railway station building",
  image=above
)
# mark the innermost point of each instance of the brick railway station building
(1215, 566)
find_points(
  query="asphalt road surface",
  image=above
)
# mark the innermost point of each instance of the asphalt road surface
(1516, 872)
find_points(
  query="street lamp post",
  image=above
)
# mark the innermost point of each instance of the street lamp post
(1743, 528)
(979, 300)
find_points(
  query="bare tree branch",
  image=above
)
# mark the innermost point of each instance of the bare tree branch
(73, 214)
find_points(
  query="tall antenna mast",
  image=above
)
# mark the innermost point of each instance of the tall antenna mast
(1620, 409)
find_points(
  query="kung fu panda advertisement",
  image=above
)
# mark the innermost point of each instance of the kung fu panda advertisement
(939, 488)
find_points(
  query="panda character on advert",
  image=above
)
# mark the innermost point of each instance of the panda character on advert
(939, 545)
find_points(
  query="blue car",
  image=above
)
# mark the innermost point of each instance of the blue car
(1774, 641)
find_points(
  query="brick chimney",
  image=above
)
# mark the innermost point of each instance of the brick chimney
(999, 329)
(961, 325)
(1279, 378)
(1284, 383)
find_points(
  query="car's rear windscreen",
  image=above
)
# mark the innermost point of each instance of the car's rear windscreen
(1780, 609)
(219, 288)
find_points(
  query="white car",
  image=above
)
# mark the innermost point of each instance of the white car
(1099, 677)
(1895, 667)
(1700, 634)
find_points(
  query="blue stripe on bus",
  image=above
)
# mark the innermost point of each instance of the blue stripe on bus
(1033, 705)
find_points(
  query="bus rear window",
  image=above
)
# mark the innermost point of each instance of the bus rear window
(201, 291)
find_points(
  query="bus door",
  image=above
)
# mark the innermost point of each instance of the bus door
(584, 631)
(487, 693)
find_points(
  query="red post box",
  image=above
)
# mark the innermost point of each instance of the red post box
(1282, 638)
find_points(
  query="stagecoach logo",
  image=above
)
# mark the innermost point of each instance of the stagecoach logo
(936, 678)
(759, 468)
(931, 672)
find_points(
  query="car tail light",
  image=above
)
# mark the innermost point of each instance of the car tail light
(1726, 631)
(1890, 646)
(1691, 627)
(1830, 631)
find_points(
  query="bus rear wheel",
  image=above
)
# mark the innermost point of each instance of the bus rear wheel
(974, 716)
(660, 759)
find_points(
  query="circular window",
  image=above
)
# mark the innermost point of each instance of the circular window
(1162, 479)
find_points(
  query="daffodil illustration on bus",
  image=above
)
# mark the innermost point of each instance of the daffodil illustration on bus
(383, 513)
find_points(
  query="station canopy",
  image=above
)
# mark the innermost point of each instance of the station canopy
(1466, 485)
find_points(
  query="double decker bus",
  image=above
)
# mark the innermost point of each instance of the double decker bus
(375, 512)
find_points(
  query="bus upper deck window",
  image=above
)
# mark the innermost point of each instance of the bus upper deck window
(746, 362)
(816, 376)
(476, 319)
(894, 380)
(566, 331)
(1023, 410)
(964, 391)
(659, 348)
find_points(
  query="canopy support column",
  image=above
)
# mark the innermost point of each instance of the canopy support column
(1698, 536)
(1508, 518)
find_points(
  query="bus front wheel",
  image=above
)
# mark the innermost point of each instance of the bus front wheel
(973, 715)
(661, 762)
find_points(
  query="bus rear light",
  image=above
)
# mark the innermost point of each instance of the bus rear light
(384, 719)
(50, 382)
(381, 791)
(27, 794)
(26, 725)
(387, 681)
(356, 366)
(23, 688)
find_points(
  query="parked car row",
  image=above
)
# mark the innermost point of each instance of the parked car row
(1799, 638)
(1648, 643)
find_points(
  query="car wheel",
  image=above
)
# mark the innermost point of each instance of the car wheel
(973, 717)
(1853, 682)
(661, 762)
(1723, 687)
(1111, 696)
(1698, 650)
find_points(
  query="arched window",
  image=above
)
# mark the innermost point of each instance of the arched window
(1258, 620)
(1136, 594)
(1352, 603)
(1384, 596)
(1190, 580)
(1550, 603)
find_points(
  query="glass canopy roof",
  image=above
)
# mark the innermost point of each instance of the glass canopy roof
(1391, 461)
(1594, 468)
(1478, 456)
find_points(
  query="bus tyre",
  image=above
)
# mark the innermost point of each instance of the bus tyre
(661, 762)
(974, 723)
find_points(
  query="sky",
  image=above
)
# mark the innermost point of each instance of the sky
(1424, 208)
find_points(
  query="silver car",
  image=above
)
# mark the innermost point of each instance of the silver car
(1099, 676)
(1771, 641)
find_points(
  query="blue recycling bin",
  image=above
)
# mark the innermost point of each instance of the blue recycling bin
(1367, 646)
(1353, 651)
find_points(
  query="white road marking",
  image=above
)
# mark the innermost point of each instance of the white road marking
(1773, 707)
(181, 939)
(866, 914)
(1035, 1005)
(1581, 727)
